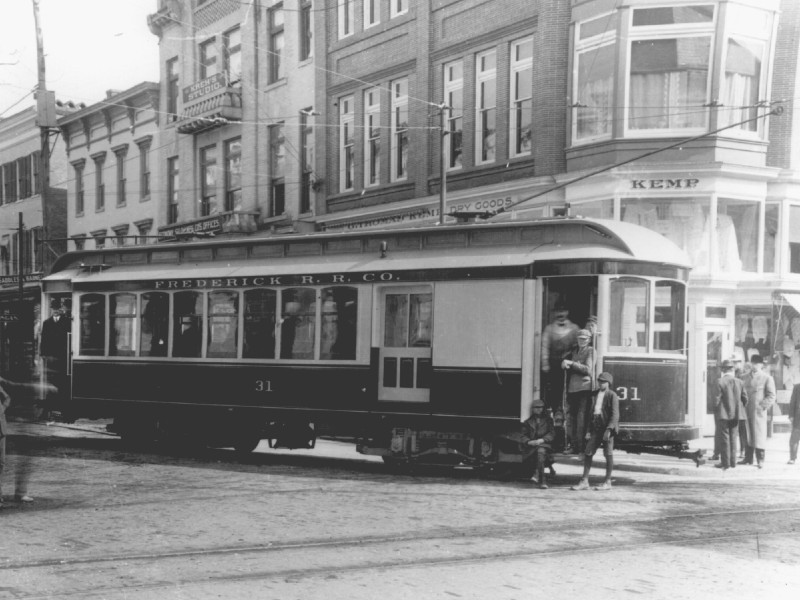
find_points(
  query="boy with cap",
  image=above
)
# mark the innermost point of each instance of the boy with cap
(536, 441)
(579, 367)
(602, 425)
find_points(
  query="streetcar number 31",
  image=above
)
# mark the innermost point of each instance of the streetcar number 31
(263, 385)
(625, 394)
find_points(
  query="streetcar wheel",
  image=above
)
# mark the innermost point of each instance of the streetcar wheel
(245, 444)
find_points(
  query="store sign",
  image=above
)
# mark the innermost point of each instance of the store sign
(204, 226)
(29, 278)
(427, 212)
(204, 87)
(664, 184)
(7, 317)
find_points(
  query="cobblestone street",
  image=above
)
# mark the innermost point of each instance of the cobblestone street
(108, 523)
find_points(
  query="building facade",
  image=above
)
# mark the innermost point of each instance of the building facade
(113, 195)
(25, 215)
(237, 145)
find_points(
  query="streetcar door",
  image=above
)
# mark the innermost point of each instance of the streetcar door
(406, 318)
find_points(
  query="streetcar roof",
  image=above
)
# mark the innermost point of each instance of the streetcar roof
(476, 245)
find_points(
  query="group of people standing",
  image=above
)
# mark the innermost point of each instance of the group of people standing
(592, 407)
(741, 414)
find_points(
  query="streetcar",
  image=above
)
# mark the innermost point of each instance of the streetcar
(417, 344)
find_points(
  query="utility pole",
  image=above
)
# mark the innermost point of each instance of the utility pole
(443, 113)
(46, 120)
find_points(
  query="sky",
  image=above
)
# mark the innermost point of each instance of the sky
(90, 46)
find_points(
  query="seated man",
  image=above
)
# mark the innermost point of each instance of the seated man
(536, 441)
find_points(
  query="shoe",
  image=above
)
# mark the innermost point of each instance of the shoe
(534, 479)
(603, 487)
(24, 498)
(720, 466)
(543, 486)
(744, 462)
(760, 466)
(714, 457)
(583, 484)
(791, 461)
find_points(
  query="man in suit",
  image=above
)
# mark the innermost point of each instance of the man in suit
(729, 406)
(794, 418)
(602, 425)
(537, 437)
(760, 388)
(54, 348)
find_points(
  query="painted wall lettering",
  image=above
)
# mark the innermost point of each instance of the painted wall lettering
(664, 184)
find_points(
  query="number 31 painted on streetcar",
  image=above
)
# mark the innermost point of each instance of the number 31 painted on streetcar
(623, 394)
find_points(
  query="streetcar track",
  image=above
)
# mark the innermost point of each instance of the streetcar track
(295, 575)
(443, 534)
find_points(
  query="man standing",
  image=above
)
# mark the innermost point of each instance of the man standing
(603, 424)
(760, 389)
(794, 418)
(728, 408)
(54, 348)
(579, 366)
(558, 338)
(23, 470)
(537, 437)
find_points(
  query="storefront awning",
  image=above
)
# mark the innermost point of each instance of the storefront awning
(792, 300)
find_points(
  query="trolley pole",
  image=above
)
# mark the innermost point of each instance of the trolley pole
(46, 119)
(443, 108)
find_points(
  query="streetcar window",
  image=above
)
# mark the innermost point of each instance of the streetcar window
(93, 324)
(408, 320)
(223, 324)
(669, 307)
(259, 324)
(187, 324)
(155, 324)
(338, 327)
(628, 329)
(298, 322)
(122, 330)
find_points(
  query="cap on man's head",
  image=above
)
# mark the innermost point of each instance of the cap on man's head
(537, 403)
(584, 333)
(605, 376)
(727, 365)
(757, 359)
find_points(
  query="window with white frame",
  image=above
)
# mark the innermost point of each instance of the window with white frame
(208, 181)
(372, 13)
(593, 80)
(745, 75)
(397, 8)
(485, 106)
(144, 168)
(232, 48)
(399, 129)
(173, 186)
(307, 159)
(454, 99)
(306, 36)
(668, 77)
(520, 134)
(78, 167)
(372, 137)
(120, 154)
(346, 18)
(208, 58)
(346, 144)
(233, 174)
(277, 69)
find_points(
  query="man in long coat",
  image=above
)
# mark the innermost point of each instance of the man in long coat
(794, 418)
(760, 389)
(729, 407)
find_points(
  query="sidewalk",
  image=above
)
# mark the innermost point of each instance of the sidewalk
(776, 457)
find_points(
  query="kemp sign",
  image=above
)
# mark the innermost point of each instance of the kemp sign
(664, 184)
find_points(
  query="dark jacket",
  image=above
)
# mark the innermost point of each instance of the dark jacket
(794, 407)
(731, 399)
(581, 373)
(610, 412)
(537, 428)
(5, 401)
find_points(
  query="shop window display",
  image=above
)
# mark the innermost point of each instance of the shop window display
(787, 347)
(684, 221)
